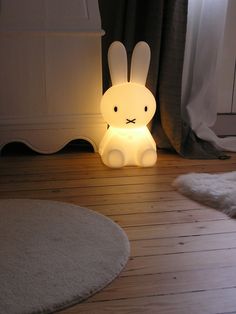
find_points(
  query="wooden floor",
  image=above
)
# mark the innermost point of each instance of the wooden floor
(183, 255)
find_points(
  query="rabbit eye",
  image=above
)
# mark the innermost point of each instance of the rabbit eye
(115, 108)
(145, 108)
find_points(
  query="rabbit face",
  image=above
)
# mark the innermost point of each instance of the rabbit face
(128, 105)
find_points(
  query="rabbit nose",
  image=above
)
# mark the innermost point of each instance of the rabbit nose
(130, 121)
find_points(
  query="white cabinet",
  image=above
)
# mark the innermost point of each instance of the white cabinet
(51, 76)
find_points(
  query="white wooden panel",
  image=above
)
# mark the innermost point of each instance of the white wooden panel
(22, 92)
(21, 14)
(73, 74)
(49, 15)
(50, 73)
(73, 15)
(65, 14)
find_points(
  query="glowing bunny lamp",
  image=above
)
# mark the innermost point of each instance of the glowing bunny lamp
(128, 107)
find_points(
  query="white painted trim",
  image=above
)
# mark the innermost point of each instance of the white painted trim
(52, 120)
(63, 32)
(225, 125)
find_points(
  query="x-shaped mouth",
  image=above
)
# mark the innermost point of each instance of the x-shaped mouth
(130, 121)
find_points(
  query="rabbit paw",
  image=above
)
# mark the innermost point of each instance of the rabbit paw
(148, 158)
(115, 159)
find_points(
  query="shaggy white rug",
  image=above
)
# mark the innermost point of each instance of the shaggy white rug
(215, 190)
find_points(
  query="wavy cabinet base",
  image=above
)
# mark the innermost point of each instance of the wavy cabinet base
(51, 137)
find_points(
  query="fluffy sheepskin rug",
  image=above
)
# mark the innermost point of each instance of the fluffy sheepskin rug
(214, 190)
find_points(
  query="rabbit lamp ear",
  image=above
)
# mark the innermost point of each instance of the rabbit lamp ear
(140, 63)
(117, 61)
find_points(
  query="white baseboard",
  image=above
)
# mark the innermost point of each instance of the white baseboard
(225, 125)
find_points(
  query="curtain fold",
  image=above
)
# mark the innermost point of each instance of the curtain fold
(162, 24)
(201, 84)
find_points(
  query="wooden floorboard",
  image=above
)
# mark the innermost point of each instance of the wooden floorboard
(195, 302)
(183, 254)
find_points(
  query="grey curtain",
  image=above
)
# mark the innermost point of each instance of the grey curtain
(162, 24)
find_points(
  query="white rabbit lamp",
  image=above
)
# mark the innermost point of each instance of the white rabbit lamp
(128, 107)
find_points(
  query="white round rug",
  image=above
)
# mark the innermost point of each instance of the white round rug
(54, 255)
